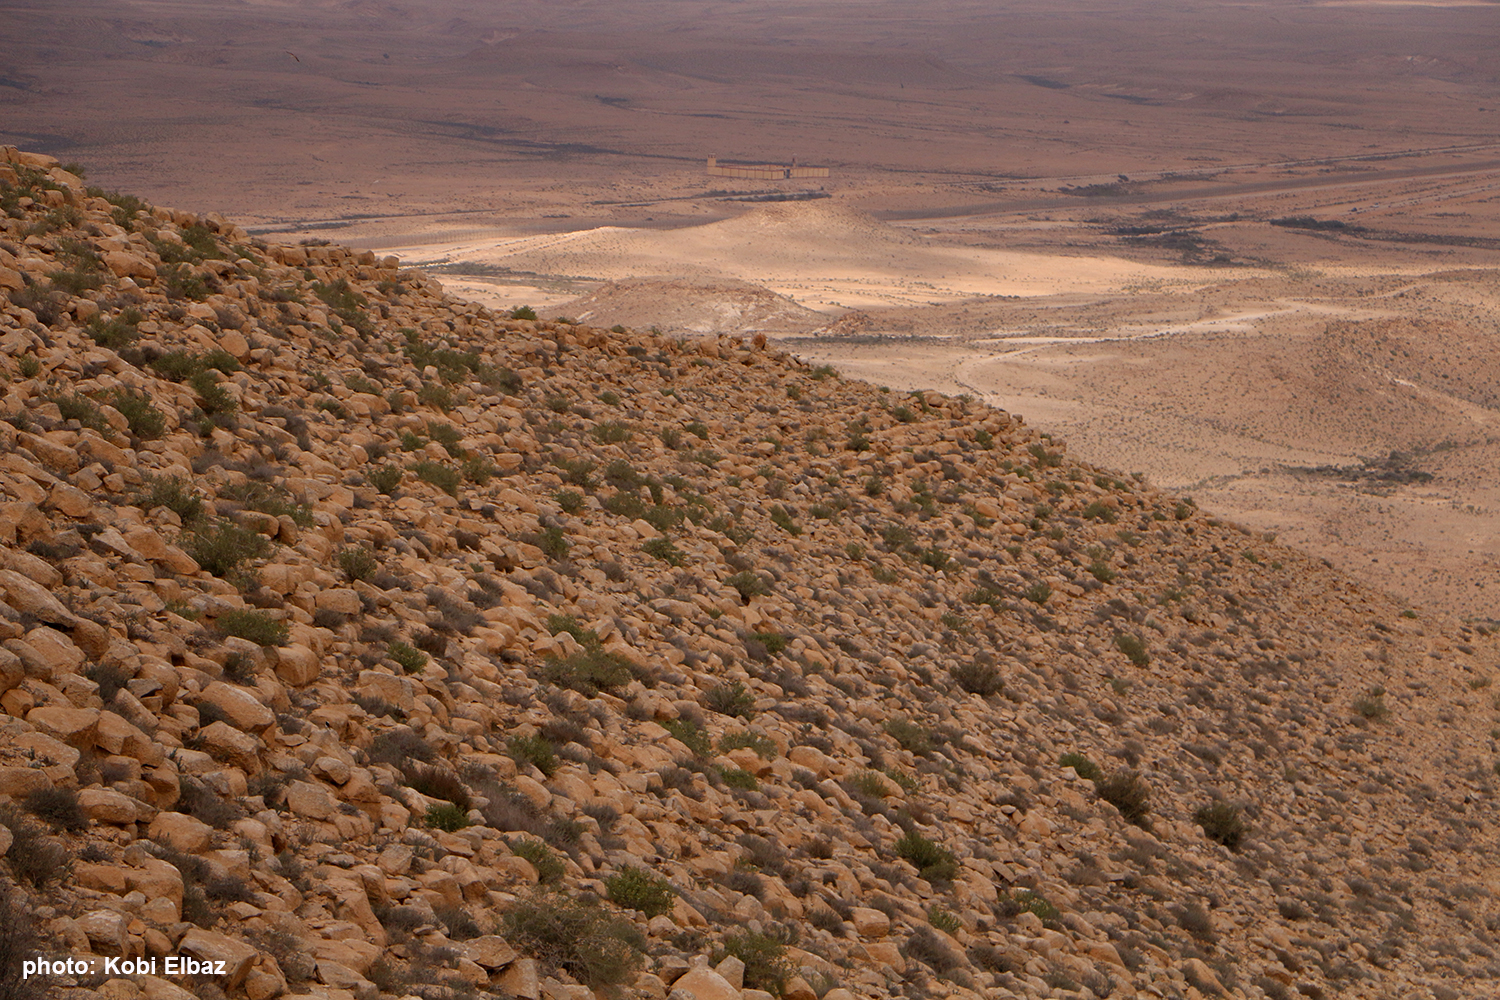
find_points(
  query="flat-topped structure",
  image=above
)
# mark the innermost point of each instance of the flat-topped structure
(763, 172)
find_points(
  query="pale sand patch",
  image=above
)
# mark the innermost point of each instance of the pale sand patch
(824, 256)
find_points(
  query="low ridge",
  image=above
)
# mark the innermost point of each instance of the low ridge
(371, 643)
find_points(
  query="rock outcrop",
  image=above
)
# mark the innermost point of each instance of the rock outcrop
(368, 642)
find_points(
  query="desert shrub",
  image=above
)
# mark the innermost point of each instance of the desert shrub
(33, 856)
(145, 421)
(115, 333)
(399, 746)
(459, 922)
(407, 657)
(357, 562)
(589, 671)
(731, 699)
(1026, 901)
(1082, 765)
(691, 735)
(81, 409)
(943, 920)
(782, 518)
(1133, 648)
(435, 395)
(553, 542)
(213, 399)
(932, 860)
(748, 584)
(523, 312)
(447, 816)
(571, 501)
(637, 889)
(764, 746)
(549, 867)
(256, 626)
(444, 477)
(739, 779)
(222, 546)
(1128, 792)
(932, 951)
(58, 808)
(576, 935)
(537, 751)
(268, 498)
(1221, 823)
(18, 943)
(110, 677)
(612, 432)
(982, 679)
(663, 549)
(438, 783)
(172, 493)
(1038, 592)
(1371, 705)
(764, 955)
(385, 478)
(909, 736)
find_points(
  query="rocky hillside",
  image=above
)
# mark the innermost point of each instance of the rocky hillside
(373, 644)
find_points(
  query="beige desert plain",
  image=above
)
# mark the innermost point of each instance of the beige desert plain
(1246, 250)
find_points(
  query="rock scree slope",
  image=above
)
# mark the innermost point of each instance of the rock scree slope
(374, 644)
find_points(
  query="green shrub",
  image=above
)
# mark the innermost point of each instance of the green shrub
(589, 670)
(1084, 767)
(29, 366)
(549, 867)
(81, 409)
(947, 922)
(437, 396)
(523, 312)
(764, 955)
(176, 366)
(1028, 901)
(783, 520)
(447, 816)
(270, 499)
(213, 398)
(256, 626)
(578, 936)
(1222, 823)
(1133, 648)
(637, 889)
(1127, 792)
(1100, 571)
(933, 861)
(663, 549)
(612, 432)
(173, 493)
(117, 332)
(444, 477)
(571, 501)
(691, 735)
(764, 746)
(221, 547)
(553, 542)
(146, 421)
(385, 478)
(982, 679)
(407, 657)
(731, 699)
(535, 750)
(739, 778)
(1038, 592)
(934, 557)
(357, 562)
(774, 642)
(748, 584)
(477, 469)
(1371, 705)
(909, 736)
